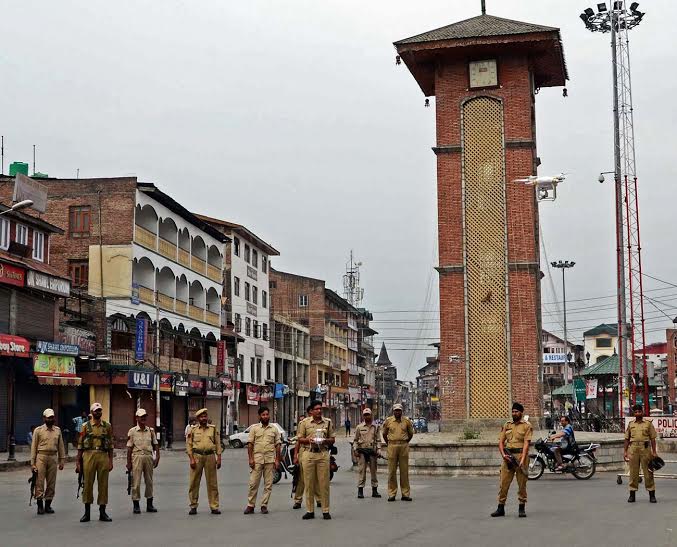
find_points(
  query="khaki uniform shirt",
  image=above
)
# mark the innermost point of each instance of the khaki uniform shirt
(310, 428)
(142, 442)
(367, 436)
(203, 440)
(47, 441)
(98, 431)
(398, 431)
(514, 435)
(638, 432)
(264, 440)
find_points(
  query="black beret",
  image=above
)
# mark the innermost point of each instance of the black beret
(517, 406)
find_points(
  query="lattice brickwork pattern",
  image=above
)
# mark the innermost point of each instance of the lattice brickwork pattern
(485, 254)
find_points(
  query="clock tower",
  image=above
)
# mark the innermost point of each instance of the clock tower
(485, 73)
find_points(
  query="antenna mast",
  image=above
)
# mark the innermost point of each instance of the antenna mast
(351, 283)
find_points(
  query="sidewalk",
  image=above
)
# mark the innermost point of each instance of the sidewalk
(23, 459)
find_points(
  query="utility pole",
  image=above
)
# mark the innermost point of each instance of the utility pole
(157, 368)
(565, 265)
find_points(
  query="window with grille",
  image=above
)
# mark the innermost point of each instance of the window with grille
(255, 258)
(79, 221)
(264, 264)
(265, 331)
(247, 253)
(257, 333)
(264, 299)
(236, 286)
(246, 291)
(236, 246)
(238, 322)
(255, 295)
(247, 326)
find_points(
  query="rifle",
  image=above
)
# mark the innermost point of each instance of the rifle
(81, 479)
(129, 483)
(369, 453)
(32, 482)
(296, 475)
(512, 461)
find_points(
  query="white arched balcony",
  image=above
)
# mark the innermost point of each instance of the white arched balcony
(214, 264)
(143, 275)
(213, 309)
(197, 301)
(198, 259)
(146, 226)
(166, 288)
(167, 242)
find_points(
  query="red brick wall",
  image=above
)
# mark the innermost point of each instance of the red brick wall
(522, 213)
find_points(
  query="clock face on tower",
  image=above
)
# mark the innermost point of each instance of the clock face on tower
(483, 73)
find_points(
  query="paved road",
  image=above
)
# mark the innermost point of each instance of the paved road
(445, 511)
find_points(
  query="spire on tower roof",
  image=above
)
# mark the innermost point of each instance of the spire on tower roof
(383, 359)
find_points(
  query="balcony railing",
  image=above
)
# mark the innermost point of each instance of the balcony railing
(214, 273)
(168, 249)
(198, 265)
(145, 237)
(184, 258)
(165, 302)
(146, 295)
(196, 313)
(213, 318)
(181, 307)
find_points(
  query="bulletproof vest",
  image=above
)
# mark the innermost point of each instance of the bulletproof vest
(88, 441)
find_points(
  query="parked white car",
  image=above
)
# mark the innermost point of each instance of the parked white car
(239, 440)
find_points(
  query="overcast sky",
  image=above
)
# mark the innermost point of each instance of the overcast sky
(291, 118)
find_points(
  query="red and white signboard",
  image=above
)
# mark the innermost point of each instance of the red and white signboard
(14, 346)
(12, 275)
(252, 395)
(666, 426)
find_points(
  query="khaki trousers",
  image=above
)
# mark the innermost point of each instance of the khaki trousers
(208, 464)
(95, 465)
(507, 475)
(362, 466)
(301, 484)
(398, 456)
(142, 465)
(640, 456)
(265, 469)
(316, 476)
(47, 465)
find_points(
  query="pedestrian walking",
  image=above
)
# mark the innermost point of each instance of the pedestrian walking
(204, 452)
(263, 447)
(298, 462)
(191, 422)
(639, 449)
(317, 434)
(95, 459)
(397, 433)
(347, 425)
(47, 454)
(513, 445)
(366, 446)
(78, 422)
(141, 443)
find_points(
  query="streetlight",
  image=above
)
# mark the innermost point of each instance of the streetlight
(18, 206)
(565, 265)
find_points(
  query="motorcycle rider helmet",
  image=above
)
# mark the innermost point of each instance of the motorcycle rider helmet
(656, 463)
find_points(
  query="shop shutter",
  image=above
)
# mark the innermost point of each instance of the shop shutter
(123, 414)
(3, 407)
(31, 399)
(4, 310)
(179, 418)
(35, 316)
(214, 409)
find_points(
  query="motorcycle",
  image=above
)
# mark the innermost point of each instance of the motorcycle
(579, 461)
(287, 463)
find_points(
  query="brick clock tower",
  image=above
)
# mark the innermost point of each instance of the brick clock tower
(485, 73)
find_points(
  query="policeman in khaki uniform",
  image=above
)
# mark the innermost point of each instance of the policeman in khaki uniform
(203, 446)
(640, 438)
(95, 458)
(47, 453)
(141, 443)
(317, 434)
(367, 437)
(263, 447)
(397, 432)
(298, 461)
(514, 441)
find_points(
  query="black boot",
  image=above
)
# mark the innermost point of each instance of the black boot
(522, 512)
(631, 498)
(102, 514)
(149, 506)
(85, 517)
(48, 507)
(374, 492)
(360, 493)
(41, 507)
(652, 496)
(500, 511)
(137, 509)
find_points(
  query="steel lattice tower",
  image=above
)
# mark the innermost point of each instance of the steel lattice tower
(619, 20)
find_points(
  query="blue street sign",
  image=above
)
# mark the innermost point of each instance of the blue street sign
(140, 347)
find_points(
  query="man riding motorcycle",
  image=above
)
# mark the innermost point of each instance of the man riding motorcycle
(564, 440)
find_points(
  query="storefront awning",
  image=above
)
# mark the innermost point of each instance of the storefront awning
(59, 380)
